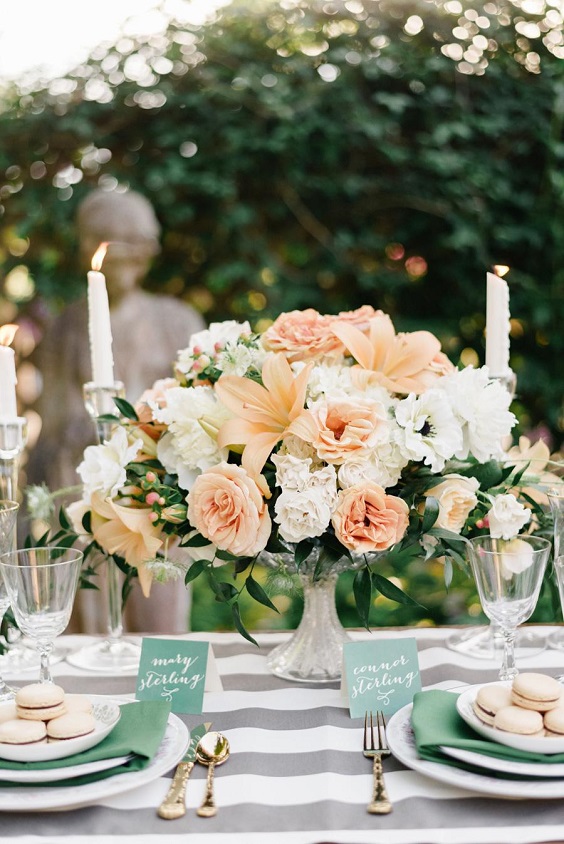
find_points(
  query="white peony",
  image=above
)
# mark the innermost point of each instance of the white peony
(103, 467)
(482, 408)
(428, 429)
(186, 449)
(507, 516)
(291, 472)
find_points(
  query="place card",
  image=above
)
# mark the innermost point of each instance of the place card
(179, 671)
(380, 674)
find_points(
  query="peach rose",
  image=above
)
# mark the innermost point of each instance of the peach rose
(342, 428)
(360, 317)
(366, 519)
(457, 498)
(302, 335)
(227, 507)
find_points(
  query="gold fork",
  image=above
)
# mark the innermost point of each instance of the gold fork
(380, 803)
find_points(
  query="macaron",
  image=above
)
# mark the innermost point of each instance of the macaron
(536, 691)
(554, 722)
(40, 702)
(71, 725)
(78, 703)
(489, 700)
(523, 722)
(22, 732)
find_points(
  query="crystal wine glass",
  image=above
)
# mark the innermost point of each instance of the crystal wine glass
(508, 575)
(8, 518)
(41, 585)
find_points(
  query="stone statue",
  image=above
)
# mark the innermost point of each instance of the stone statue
(148, 330)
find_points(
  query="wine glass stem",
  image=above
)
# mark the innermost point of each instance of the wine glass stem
(508, 668)
(115, 624)
(45, 649)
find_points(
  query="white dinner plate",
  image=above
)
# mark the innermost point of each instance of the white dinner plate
(106, 715)
(39, 799)
(402, 744)
(533, 744)
(42, 775)
(506, 766)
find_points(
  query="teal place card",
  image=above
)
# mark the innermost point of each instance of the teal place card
(380, 674)
(177, 670)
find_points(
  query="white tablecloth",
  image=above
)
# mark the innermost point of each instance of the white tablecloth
(297, 774)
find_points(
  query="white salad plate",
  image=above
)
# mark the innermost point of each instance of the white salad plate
(402, 744)
(532, 744)
(106, 715)
(22, 798)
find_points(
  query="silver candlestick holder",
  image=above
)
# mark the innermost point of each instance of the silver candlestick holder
(114, 654)
(13, 439)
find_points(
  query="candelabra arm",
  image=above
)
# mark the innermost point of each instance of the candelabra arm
(99, 403)
(13, 438)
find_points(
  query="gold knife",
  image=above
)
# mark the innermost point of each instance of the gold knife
(174, 804)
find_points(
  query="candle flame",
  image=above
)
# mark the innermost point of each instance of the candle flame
(501, 270)
(7, 334)
(98, 256)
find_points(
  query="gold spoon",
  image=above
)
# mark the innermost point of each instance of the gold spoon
(212, 750)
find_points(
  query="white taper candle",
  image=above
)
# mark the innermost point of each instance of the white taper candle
(99, 326)
(497, 325)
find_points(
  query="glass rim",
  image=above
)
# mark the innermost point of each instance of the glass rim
(541, 542)
(6, 504)
(79, 555)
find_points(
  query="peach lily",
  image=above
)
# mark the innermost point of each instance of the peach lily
(399, 362)
(263, 413)
(126, 531)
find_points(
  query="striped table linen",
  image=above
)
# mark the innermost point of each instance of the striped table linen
(297, 774)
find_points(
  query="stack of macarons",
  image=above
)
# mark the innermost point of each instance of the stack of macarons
(532, 706)
(42, 712)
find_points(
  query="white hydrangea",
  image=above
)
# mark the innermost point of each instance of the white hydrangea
(186, 449)
(297, 447)
(103, 467)
(482, 408)
(327, 380)
(428, 429)
(209, 341)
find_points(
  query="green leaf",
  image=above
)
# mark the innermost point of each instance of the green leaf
(256, 591)
(64, 520)
(239, 624)
(431, 513)
(303, 550)
(196, 541)
(362, 590)
(224, 592)
(126, 409)
(195, 570)
(225, 556)
(448, 572)
(391, 591)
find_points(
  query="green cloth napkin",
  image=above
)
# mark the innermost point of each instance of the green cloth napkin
(437, 723)
(139, 731)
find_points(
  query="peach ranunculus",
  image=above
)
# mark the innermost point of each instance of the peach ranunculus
(402, 363)
(342, 428)
(227, 507)
(302, 335)
(457, 498)
(128, 532)
(368, 520)
(263, 414)
(360, 317)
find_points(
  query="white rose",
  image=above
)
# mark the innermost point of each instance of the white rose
(302, 515)
(516, 557)
(457, 498)
(103, 467)
(507, 516)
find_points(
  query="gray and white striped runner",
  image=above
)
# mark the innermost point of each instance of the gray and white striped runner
(297, 774)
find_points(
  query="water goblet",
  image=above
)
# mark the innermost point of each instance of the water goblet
(508, 575)
(8, 518)
(41, 585)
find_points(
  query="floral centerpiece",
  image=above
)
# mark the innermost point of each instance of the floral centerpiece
(326, 440)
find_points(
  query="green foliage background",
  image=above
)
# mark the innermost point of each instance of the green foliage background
(319, 154)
